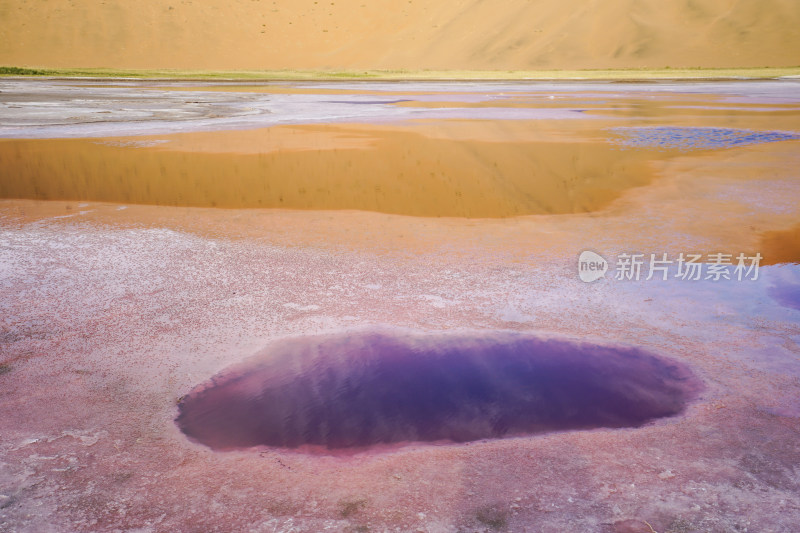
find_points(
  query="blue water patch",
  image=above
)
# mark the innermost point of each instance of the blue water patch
(688, 139)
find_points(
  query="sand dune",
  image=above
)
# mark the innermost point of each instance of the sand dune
(400, 34)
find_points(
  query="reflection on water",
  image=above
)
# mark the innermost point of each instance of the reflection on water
(362, 389)
(785, 286)
(781, 246)
(421, 149)
(686, 139)
(386, 169)
(787, 295)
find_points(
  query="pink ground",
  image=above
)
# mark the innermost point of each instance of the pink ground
(110, 313)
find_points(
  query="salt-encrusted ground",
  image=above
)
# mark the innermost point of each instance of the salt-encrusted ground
(110, 313)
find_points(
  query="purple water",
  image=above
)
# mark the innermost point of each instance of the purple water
(788, 295)
(362, 389)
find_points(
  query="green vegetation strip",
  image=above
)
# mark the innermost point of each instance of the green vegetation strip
(399, 75)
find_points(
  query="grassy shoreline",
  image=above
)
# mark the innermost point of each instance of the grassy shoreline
(410, 75)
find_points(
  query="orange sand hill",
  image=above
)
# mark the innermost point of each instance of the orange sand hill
(400, 34)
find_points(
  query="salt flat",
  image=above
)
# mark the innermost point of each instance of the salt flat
(115, 307)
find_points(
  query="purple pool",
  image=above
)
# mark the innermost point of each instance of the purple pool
(361, 389)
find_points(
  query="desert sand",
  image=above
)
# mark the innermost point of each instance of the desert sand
(400, 34)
